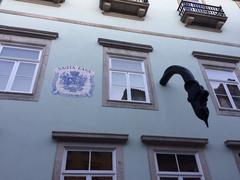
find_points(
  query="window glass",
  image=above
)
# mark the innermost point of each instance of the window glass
(178, 166)
(237, 102)
(5, 71)
(101, 161)
(20, 53)
(74, 178)
(167, 162)
(221, 75)
(137, 81)
(168, 178)
(187, 163)
(102, 178)
(126, 65)
(24, 77)
(119, 86)
(77, 160)
(233, 89)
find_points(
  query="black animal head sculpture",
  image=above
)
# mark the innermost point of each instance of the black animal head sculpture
(197, 95)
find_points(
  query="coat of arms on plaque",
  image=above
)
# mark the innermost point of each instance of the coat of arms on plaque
(73, 81)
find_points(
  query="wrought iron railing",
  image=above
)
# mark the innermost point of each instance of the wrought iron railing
(186, 6)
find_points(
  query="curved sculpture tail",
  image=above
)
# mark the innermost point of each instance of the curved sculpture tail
(197, 95)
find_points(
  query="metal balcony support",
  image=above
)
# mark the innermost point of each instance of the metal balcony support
(197, 95)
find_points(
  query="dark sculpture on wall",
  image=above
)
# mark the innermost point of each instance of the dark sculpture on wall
(197, 95)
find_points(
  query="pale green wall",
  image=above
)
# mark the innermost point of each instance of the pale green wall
(27, 151)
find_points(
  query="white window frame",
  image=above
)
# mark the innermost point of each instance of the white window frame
(17, 62)
(88, 173)
(218, 62)
(127, 75)
(180, 175)
(150, 94)
(225, 83)
(24, 42)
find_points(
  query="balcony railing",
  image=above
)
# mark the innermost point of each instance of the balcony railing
(128, 7)
(202, 14)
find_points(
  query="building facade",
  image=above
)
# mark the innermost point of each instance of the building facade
(80, 97)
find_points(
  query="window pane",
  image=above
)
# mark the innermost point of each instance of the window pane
(5, 71)
(191, 178)
(167, 162)
(218, 88)
(221, 75)
(233, 89)
(118, 93)
(224, 101)
(168, 178)
(102, 178)
(118, 79)
(24, 76)
(77, 160)
(6, 67)
(237, 102)
(16, 52)
(74, 178)
(26, 69)
(137, 81)
(101, 161)
(187, 163)
(22, 84)
(118, 87)
(138, 94)
(126, 65)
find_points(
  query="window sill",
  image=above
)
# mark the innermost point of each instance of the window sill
(19, 96)
(133, 105)
(228, 112)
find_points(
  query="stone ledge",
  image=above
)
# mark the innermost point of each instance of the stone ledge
(28, 32)
(174, 141)
(125, 45)
(216, 57)
(232, 143)
(83, 137)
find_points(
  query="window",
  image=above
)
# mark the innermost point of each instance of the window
(234, 145)
(178, 166)
(127, 78)
(225, 86)
(237, 2)
(88, 156)
(222, 77)
(175, 158)
(89, 164)
(18, 68)
(22, 62)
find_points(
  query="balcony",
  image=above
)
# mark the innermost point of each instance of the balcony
(202, 15)
(128, 7)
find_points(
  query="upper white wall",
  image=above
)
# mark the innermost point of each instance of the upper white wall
(162, 17)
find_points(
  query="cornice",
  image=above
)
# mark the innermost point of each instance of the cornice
(19, 31)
